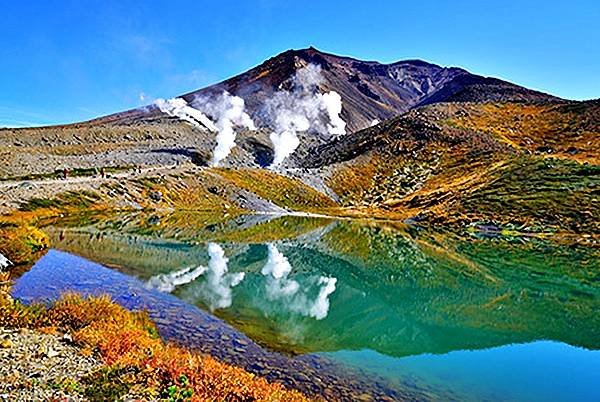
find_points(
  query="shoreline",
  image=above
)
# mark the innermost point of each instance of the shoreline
(197, 330)
(122, 348)
(18, 193)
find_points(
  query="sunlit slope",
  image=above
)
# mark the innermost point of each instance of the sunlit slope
(529, 165)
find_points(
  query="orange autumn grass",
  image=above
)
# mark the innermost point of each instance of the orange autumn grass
(128, 340)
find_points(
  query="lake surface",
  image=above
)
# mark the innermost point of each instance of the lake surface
(379, 307)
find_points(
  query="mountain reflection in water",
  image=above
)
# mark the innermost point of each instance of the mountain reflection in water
(302, 285)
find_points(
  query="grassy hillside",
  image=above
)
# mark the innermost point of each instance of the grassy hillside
(533, 166)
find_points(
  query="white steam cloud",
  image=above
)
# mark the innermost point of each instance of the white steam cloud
(302, 109)
(332, 102)
(228, 111)
(280, 287)
(178, 107)
(4, 262)
(216, 290)
(277, 270)
(168, 282)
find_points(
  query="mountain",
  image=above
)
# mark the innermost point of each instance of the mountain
(370, 90)
(451, 146)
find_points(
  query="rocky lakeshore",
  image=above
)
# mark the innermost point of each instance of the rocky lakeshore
(92, 349)
(36, 366)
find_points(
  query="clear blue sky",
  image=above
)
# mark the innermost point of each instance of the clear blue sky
(64, 61)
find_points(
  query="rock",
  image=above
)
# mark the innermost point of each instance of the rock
(545, 149)
(572, 151)
(52, 353)
(40, 359)
(156, 196)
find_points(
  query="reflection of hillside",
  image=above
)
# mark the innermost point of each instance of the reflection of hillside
(367, 311)
(515, 288)
(150, 244)
(131, 253)
(185, 226)
(393, 314)
(395, 293)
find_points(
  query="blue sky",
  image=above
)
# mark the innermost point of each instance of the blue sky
(65, 61)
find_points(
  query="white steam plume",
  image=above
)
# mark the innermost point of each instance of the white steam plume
(302, 109)
(168, 282)
(280, 287)
(178, 107)
(228, 111)
(216, 290)
(277, 270)
(319, 308)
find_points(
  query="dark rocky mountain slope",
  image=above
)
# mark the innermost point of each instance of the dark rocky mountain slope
(370, 90)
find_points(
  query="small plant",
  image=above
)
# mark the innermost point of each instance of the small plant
(180, 392)
(66, 384)
(106, 384)
(153, 332)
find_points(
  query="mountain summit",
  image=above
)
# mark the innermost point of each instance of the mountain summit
(370, 91)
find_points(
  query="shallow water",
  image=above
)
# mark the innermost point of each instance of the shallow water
(428, 316)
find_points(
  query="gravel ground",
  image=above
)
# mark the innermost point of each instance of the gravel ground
(32, 364)
(161, 142)
(13, 193)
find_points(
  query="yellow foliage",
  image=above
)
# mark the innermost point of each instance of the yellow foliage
(282, 190)
(529, 127)
(22, 244)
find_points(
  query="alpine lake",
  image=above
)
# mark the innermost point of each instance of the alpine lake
(348, 309)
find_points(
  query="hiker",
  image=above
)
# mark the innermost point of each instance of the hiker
(65, 173)
(102, 173)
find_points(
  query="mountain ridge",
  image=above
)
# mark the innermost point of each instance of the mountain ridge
(370, 90)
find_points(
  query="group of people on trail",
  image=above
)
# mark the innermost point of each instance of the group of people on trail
(102, 172)
(65, 173)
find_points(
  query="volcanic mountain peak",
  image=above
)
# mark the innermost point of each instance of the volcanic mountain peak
(369, 90)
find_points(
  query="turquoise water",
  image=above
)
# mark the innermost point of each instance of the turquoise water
(535, 371)
(480, 318)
